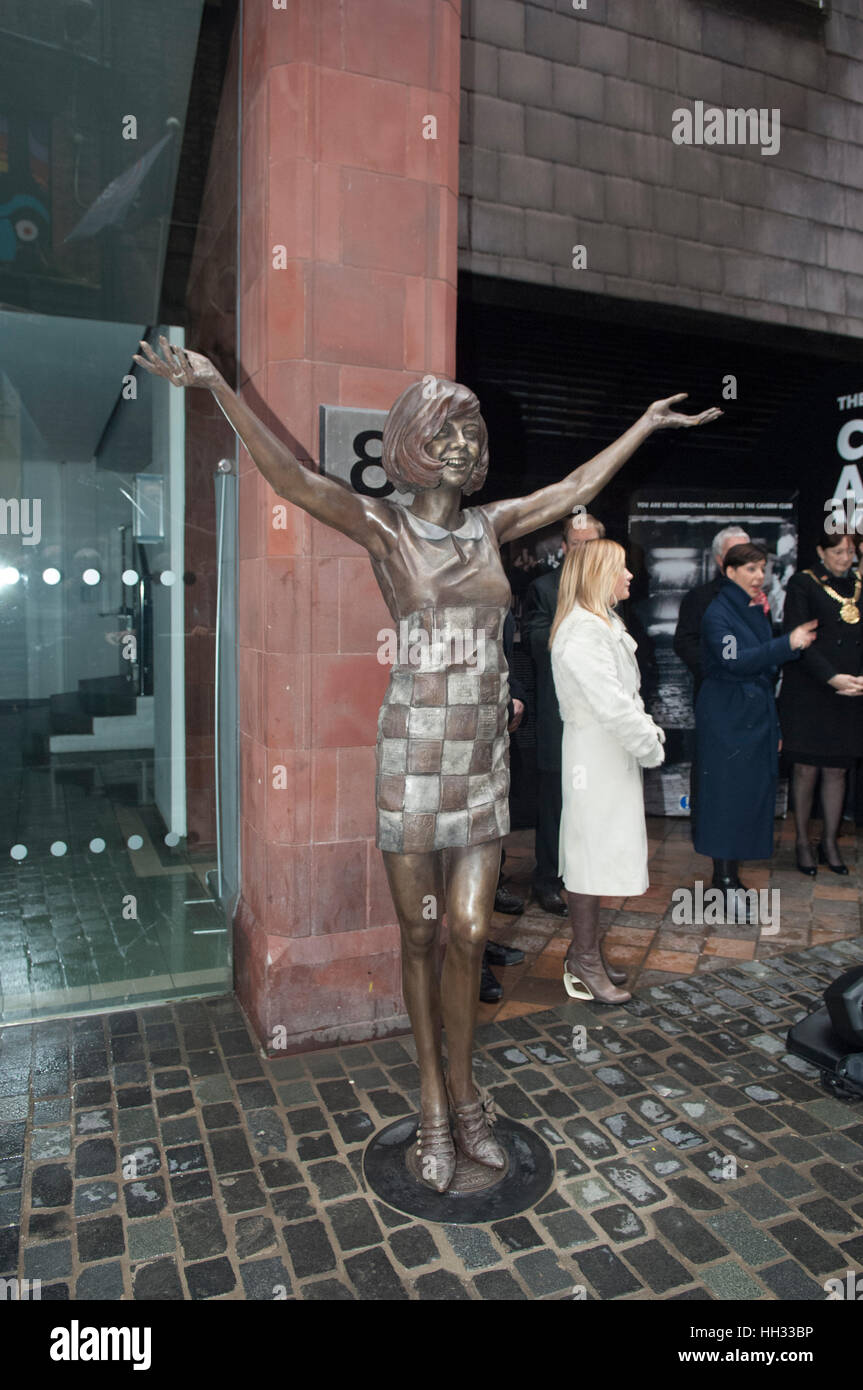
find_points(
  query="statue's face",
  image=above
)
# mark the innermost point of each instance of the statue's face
(456, 445)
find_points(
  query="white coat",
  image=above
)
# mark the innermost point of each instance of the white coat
(608, 737)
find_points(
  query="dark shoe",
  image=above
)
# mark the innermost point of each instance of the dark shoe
(550, 900)
(839, 868)
(725, 875)
(490, 988)
(504, 901)
(809, 869)
(496, 954)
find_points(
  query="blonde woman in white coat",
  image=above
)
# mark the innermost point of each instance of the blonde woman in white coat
(608, 737)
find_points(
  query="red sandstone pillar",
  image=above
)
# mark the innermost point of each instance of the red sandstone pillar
(337, 170)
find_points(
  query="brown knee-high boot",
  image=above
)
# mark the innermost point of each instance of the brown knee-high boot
(585, 976)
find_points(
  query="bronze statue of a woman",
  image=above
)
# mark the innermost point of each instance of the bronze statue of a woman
(442, 769)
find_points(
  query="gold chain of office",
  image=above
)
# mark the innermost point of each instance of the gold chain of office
(849, 611)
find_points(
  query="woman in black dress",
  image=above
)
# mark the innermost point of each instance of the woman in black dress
(819, 709)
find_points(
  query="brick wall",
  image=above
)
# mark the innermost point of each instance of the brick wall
(566, 139)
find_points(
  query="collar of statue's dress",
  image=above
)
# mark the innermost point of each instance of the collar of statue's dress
(470, 529)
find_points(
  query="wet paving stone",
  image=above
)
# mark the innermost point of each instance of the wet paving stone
(158, 1282)
(50, 1261)
(652, 1111)
(149, 1239)
(100, 1238)
(309, 1248)
(174, 1103)
(498, 1286)
(659, 1270)
(738, 1141)
(210, 1279)
(542, 1273)
(688, 1236)
(183, 1130)
(632, 1182)
(223, 1116)
(785, 1180)
(374, 1277)
(827, 1215)
(230, 1150)
(661, 1162)
(807, 1246)
(52, 1184)
(627, 1130)
(332, 1179)
(200, 1230)
(241, 1192)
(191, 1187)
(568, 1229)
(103, 1282)
(620, 1223)
(608, 1274)
(517, 1233)
(790, 1283)
(590, 1140)
(354, 1225)
(140, 1160)
(473, 1246)
(279, 1172)
(146, 1197)
(682, 1137)
(414, 1247)
(354, 1126)
(253, 1235)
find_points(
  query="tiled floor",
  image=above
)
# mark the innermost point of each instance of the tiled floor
(99, 911)
(158, 1155)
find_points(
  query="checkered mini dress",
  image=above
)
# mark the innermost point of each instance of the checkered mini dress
(442, 746)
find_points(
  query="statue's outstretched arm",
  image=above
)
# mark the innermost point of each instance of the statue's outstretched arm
(366, 520)
(516, 516)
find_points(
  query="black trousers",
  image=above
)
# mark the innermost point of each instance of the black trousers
(547, 826)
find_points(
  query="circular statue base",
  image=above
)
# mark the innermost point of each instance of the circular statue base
(476, 1193)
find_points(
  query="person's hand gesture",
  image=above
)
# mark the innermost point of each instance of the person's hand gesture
(662, 417)
(178, 366)
(804, 635)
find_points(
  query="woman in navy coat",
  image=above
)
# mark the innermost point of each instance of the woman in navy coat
(736, 725)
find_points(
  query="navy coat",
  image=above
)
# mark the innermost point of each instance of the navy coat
(737, 728)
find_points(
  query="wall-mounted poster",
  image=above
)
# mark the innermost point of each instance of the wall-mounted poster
(671, 536)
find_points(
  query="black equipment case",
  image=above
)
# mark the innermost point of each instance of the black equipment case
(832, 1037)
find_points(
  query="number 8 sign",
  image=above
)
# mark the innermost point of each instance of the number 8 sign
(351, 450)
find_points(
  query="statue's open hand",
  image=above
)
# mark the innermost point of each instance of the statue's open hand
(178, 366)
(662, 417)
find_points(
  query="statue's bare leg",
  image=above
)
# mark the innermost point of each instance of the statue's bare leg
(472, 875)
(416, 884)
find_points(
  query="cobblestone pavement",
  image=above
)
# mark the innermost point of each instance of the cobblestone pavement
(157, 1155)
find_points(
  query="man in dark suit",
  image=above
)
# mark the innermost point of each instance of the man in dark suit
(687, 638)
(539, 609)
